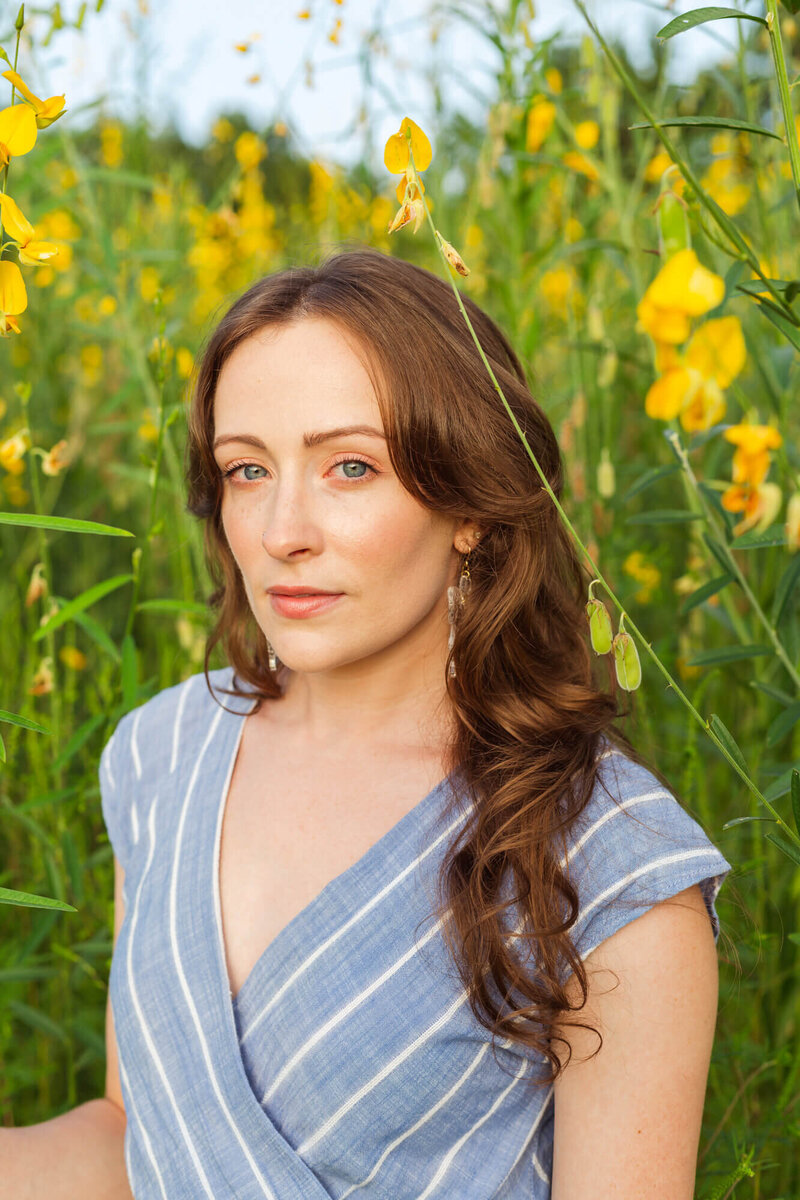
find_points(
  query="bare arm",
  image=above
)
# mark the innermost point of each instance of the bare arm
(81, 1152)
(628, 1122)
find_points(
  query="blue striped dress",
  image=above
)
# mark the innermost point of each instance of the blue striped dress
(350, 1062)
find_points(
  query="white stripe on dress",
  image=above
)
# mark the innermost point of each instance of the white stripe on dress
(179, 966)
(137, 1006)
(347, 1009)
(357, 916)
(177, 726)
(454, 1149)
(137, 762)
(473, 1066)
(147, 1143)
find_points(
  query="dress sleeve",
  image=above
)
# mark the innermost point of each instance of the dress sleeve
(632, 848)
(113, 774)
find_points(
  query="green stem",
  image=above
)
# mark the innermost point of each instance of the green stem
(789, 832)
(776, 45)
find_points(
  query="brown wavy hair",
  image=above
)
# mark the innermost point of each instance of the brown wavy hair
(530, 716)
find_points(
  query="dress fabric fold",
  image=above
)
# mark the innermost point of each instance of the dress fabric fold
(350, 1062)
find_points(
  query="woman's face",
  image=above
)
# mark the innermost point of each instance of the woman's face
(332, 515)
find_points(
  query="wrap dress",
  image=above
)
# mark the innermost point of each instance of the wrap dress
(349, 1063)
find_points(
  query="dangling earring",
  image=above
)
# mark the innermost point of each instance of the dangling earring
(274, 661)
(456, 597)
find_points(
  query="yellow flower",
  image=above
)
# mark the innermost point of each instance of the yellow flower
(717, 350)
(222, 130)
(587, 134)
(554, 81)
(411, 211)
(12, 452)
(43, 679)
(670, 391)
(665, 325)
(408, 188)
(13, 296)
(657, 166)
(793, 523)
(47, 111)
(184, 362)
(539, 122)
(18, 132)
(55, 460)
(754, 439)
(249, 150)
(580, 163)
(760, 505)
(20, 230)
(705, 408)
(37, 588)
(304, 14)
(111, 145)
(396, 155)
(149, 282)
(333, 36)
(72, 657)
(684, 285)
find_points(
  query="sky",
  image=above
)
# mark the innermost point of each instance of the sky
(175, 60)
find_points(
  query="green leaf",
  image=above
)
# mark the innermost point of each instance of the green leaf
(786, 585)
(98, 634)
(757, 287)
(783, 723)
(708, 123)
(23, 722)
(36, 1018)
(796, 797)
(789, 848)
(774, 536)
(773, 692)
(28, 900)
(700, 16)
(70, 524)
(85, 600)
(664, 516)
(789, 331)
(728, 741)
(649, 477)
(723, 654)
(719, 551)
(81, 735)
(173, 606)
(2, 750)
(741, 820)
(702, 593)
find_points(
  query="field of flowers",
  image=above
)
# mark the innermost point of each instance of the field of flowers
(638, 241)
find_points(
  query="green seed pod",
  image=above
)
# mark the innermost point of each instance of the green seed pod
(626, 662)
(673, 225)
(599, 626)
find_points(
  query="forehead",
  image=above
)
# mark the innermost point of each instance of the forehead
(310, 362)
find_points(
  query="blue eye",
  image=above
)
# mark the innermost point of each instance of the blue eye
(345, 460)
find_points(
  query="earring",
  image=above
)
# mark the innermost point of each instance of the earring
(456, 597)
(274, 661)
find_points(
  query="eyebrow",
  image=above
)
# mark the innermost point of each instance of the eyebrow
(309, 439)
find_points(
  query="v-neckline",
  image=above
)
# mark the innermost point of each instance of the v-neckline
(327, 892)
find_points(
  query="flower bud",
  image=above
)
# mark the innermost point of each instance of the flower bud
(599, 626)
(606, 480)
(626, 662)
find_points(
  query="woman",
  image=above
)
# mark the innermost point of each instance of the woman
(361, 898)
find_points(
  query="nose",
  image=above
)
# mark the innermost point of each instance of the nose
(288, 522)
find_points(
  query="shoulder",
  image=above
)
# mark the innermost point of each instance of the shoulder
(633, 845)
(152, 735)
